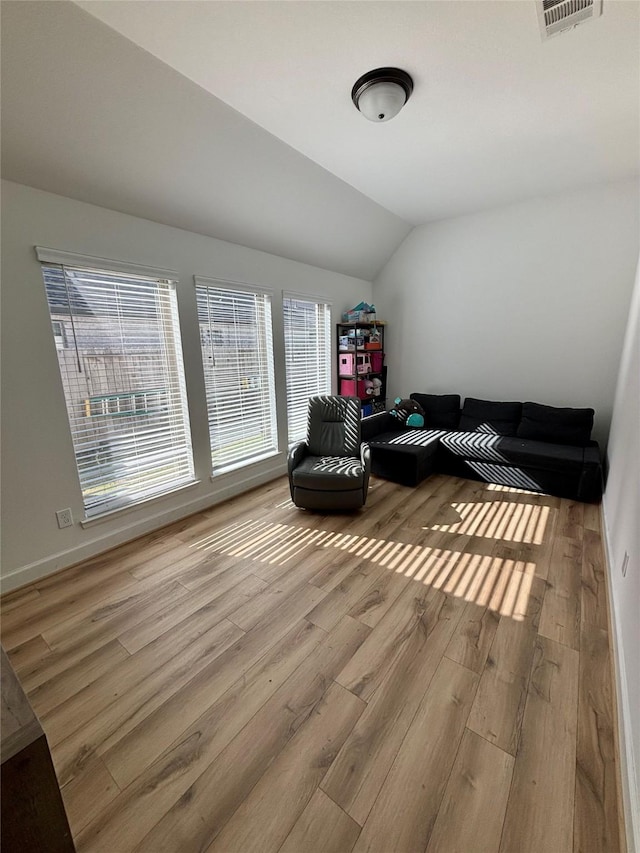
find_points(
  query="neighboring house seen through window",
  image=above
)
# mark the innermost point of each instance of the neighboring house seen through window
(307, 340)
(120, 357)
(237, 355)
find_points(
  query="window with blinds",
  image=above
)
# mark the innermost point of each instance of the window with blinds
(307, 341)
(237, 354)
(118, 344)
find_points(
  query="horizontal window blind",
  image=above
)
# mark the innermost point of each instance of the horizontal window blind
(237, 355)
(307, 340)
(118, 345)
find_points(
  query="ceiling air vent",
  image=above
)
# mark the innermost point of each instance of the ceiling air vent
(556, 16)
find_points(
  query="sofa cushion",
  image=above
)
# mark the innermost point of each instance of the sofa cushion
(543, 454)
(441, 411)
(490, 417)
(374, 425)
(475, 445)
(408, 438)
(508, 450)
(549, 423)
(328, 473)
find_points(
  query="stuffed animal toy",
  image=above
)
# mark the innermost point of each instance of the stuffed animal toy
(369, 387)
(377, 385)
(408, 412)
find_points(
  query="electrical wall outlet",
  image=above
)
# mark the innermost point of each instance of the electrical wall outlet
(65, 517)
(625, 564)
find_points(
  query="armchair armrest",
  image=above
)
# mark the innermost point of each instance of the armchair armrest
(296, 454)
(365, 459)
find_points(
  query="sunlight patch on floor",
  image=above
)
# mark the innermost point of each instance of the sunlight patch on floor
(501, 584)
(497, 487)
(287, 504)
(506, 520)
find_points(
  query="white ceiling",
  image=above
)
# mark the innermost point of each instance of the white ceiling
(89, 115)
(234, 119)
(496, 114)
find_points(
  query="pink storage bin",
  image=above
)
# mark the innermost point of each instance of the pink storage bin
(377, 360)
(346, 364)
(353, 388)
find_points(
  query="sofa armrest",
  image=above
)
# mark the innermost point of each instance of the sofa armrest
(591, 481)
(377, 424)
(592, 454)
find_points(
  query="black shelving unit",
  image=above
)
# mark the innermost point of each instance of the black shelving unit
(360, 364)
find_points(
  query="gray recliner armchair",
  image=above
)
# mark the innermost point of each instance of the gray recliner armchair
(330, 470)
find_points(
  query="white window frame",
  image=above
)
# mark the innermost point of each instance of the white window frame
(150, 450)
(308, 371)
(239, 435)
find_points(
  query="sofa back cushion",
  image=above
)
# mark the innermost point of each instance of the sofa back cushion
(490, 417)
(374, 425)
(561, 426)
(441, 411)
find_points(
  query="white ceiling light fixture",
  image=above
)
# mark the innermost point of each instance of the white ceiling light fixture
(382, 93)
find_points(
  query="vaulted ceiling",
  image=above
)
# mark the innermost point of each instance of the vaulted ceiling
(234, 118)
(496, 114)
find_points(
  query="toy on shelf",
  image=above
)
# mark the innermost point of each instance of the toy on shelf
(346, 364)
(375, 339)
(363, 363)
(362, 313)
(350, 364)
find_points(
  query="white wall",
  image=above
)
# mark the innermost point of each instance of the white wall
(526, 302)
(38, 467)
(622, 520)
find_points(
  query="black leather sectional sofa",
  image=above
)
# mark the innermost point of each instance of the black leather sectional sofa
(522, 445)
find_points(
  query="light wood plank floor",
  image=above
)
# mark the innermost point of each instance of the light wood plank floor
(431, 673)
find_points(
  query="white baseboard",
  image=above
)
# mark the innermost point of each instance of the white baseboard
(628, 774)
(228, 487)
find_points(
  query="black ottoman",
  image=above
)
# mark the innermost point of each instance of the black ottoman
(401, 461)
